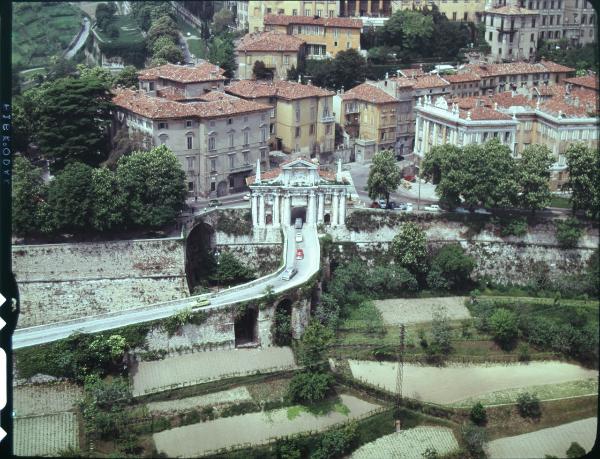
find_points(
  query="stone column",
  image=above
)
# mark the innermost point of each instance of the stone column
(334, 208)
(286, 210)
(321, 205)
(342, 215)
(311, 216)
(261, 210)
(254, 209)
(276, 209)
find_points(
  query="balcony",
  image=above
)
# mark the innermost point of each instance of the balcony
(327, 118)
(240, 168)
(503, 30)
(351, 108)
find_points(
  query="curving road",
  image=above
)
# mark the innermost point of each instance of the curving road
(307, 267)
(82, 37)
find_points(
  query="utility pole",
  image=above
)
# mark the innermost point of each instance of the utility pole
(399, 376)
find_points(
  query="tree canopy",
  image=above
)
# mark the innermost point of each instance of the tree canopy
(584, 178)
(384, 175)
(534, 176)
(28, 191)
(409, 248)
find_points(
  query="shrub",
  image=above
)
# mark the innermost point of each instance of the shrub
(454, 265)
(441, 332)
(504, 327)
(430, 453)
(513, 227)
(474, 438)
(529, 405)
(575, 451)
(523, 352)
(478, 414)
(309, 386)
(568, 232)
(336, 443)
(288, 449)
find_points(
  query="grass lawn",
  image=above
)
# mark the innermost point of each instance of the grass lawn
(559, 201)
(185, 28)
(129, 32)
(197, 47)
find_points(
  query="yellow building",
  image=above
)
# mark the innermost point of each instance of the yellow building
(302, 118)
(278, 51)
(324, 37)
(368, 115)
(455, 10)
(365, 8)
(257, 10)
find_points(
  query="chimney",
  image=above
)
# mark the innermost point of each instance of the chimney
(398, 73)
(495, 105)
(299, 78)
(309, 82)
(576, 102)
(386, 75)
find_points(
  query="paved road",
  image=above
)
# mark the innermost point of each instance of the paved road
(80, 41)
(32, 336)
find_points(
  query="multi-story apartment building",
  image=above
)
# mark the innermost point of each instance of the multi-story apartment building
(278, 51)
(580, 21)
(369, 116)
(241, 15)
(584, 82)
(257, 10)
(324, 37)
(520, 118)
(455, 10)
(464, 84)
(550, 13)
(366, 8)
(217, 137)
(301, 117)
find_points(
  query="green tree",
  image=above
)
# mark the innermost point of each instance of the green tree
(70, 197)
(313, 345)
(28, 191)
(107, 204)
(533, 177)
(127, 77)
(409, 248)
(161, 27)
(349, 69)
(73, 121)
(478, 414)
(153, 186)
(105, 13)
(407, 29)
(337, 443)
(222, 20)
(230, 270)
(222, 53)
(441, 333)
(575, 451)
(505, 328)
(568, 232)
(529, 405)
(454, 265)
(474, 438)
(169, 52)
(260, 71)
(98, 73)
(384, 175)
(309, 387)
(583, 164)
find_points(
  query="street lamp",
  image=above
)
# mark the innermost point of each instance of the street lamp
(217, 255)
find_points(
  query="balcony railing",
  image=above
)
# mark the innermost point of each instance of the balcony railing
(328, 118)
(351, 108)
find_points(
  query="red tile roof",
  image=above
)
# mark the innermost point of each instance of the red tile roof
(461, 78)
(159, 108)
(270, 41)
(513, 68)
(183, 73)
(412, 72)
(483, 114)
(589, 81)
(430, 81)
(281, 19)
(274, 173)
(368, 93)
(581, 103)
(508, 99)
(289, 90)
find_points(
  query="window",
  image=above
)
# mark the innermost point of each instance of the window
(532, 37)
(263, 134)
(465, 16)
(213, 165)
(246, 157)
(231, 161)
(188, 123)
(286, 60)
(163, 125)
(190, 142)
(313, 113)
(231, 181)
(490, 36)
(229, 120)
(297, 112)
(319, 13)
(331, 13)
(453, 18)
(294, 12)
(190, 162)
(583, 18)
(298, 131)
(328, 129)
(211, 143)
(190, 186)
(246, 137)
(383, 135)
(311, 130)
(558, 20)
(307, 12)
(151, 86)
(231, 140)
(212, 186)
(532, 22)
(347, 45)
(544, 20)
(552, 4)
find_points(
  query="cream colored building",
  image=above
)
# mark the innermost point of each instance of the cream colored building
(511, 31)
(278, 51)
(366, 8)
(257, 10)
(580, 20)
(301, 119)
(455, 10)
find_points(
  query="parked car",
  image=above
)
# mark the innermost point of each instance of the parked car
(289, 273)
(409, 206)
(375, 205)
(298, 223)
(202, 302)
(299, 254)
(392, 205)
(298, 237)
(401, 206)
(462, 210)
(214, 203)
(382, 203)
(246, 197)
(409, 178)
(432, 208)
(482, 211)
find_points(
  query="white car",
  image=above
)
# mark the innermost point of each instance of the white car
(289, 273)
(246, 197)
(461, 210)
(482, 211)
(409, 207)
(432, 208)
(298, 237)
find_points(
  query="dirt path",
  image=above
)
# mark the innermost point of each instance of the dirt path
(417, 310)
(202, 367)
(409, 444)
(238, 394)
(254, 428)
(454, 383)
(553, 441)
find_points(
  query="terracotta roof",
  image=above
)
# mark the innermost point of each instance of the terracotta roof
(589, 81)
(412, 72)
(404, 81)
(484, 113)
(554, 67)
(159, 108)
(581, 103)
(183, 73)
(512, 10)
(270, 41)
(368, 93)
(430, 81)
(281, 19)
(252, 89)
(513, 68)
(461, 77)
(508, 99)
(171, 93)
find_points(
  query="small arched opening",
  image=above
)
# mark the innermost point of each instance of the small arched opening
(222, 188)
(199, 261)
(298, 212)
(282, 323)
(246, 327)
(327, 219)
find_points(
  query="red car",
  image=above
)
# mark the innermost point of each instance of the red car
(409, 178)
(375, 205)
(299, 254)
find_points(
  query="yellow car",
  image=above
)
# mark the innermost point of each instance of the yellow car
(202, 302)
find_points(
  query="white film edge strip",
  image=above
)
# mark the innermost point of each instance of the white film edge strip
(3, 370)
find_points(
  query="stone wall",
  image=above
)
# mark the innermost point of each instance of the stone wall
(66, 281)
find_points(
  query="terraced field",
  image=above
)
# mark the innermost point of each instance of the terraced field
(409, 444)
(451, 384)
(35, 399)
(552, 441)
(238, 394)
(45, 435)
(418, 310)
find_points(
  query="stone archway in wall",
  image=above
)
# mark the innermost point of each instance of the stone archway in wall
(198, 255)
(246, 327)
(282, 323)
(222, 188)
(327, 219)
(298, 212)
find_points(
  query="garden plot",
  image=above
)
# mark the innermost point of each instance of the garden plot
(35, 399)
(451, 384)
(238, 394)
(254, 428)
(552, 441)
(417, 310)
(409, 444)
(45, 435)
(201, 367)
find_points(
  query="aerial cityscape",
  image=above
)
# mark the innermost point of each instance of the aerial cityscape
(293, 229)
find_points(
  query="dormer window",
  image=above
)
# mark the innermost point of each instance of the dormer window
(151, 86)
(188, 123)
(229, 120)
(163, 125)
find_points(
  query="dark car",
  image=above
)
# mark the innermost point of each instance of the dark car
(214, 203)
(392, 205)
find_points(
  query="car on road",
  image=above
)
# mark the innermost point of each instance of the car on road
(392, 205)
(382, 203)
(298, 223)
(202, 302)
(461, 210)
(289, 273)
(409, 178)
(482, 211)
(214, 203)
(432, 208)
(375, 205)
(299, 254)
(298, 237)
(246, 197)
